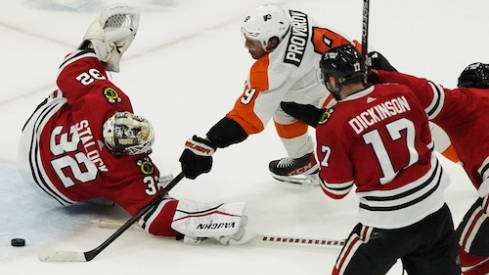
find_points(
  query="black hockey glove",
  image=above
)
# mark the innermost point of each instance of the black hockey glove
(196, 159)
(376, 61)
(308, 114)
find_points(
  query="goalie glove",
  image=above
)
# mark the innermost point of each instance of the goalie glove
(308, 114)
(111, 34)
(223, 222)
(196, 159)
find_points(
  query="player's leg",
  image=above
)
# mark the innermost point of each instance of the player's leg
(437, 249)
(472, 264)
(368, 251)
(300, 166)
(473, 241)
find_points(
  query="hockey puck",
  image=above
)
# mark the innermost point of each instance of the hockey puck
(17, 242)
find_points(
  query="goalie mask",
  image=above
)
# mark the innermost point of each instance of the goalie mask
(266, 22)
(112, 33)
(476, 75)
(128, 134)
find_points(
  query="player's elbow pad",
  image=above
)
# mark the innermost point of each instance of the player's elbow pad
(226, 132)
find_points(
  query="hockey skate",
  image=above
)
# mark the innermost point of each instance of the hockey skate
(303, 170)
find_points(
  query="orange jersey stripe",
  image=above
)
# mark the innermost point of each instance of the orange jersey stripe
(292, 130)
(327, 101)
(451, 154)
(243, 112)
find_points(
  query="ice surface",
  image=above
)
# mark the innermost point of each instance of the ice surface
(184, 71)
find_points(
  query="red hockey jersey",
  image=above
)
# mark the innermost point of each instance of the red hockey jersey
(68, 158)
(378, 139)
(461, 113)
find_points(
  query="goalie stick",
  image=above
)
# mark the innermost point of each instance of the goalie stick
(366, 15)
(68, 256)
(318, 242)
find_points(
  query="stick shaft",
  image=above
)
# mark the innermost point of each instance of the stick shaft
(366, 16)
(302, 241)
(89, 255)
(262, 237)
(67, 256)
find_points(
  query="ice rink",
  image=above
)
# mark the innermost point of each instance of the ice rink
(184, 71)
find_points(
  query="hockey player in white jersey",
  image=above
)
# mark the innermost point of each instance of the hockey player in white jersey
(287, 46)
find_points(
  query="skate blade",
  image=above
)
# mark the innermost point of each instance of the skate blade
(312, 180)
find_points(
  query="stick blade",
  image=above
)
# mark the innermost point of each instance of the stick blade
(61, 256)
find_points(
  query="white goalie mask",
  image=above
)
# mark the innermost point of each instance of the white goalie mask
(112, 33)
(266, 22)
(128, 134)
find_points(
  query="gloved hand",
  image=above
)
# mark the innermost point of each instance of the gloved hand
(376, 61)
(111, 34)
(308, 114)
(196, 159)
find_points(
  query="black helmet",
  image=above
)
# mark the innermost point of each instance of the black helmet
(345, 63)
(476, 75)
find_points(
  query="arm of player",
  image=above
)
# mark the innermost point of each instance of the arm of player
(196, 159)
(376, 61)
(306, 113)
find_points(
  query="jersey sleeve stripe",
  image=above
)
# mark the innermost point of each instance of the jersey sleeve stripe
(336, 190)
(437, 103)
(77, 55)
(484, 169)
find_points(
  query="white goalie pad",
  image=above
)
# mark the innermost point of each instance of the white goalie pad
(196, 219)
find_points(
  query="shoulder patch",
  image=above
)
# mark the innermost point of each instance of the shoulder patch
(111, 95)
(326, 116)
(146, 166)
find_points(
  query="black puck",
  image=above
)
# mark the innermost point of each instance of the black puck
(17, 242)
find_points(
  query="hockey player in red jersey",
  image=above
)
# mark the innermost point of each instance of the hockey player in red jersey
(461, 113)
(287, 46)
(84, 142)
(377, 139)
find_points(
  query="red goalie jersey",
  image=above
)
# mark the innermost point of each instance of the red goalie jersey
(68, 158)
(378, 139)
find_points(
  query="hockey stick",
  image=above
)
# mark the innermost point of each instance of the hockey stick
(318, 242)
(366, 15)
(302, 241)
(68, 256)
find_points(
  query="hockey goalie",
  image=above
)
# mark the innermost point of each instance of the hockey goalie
(83, 142)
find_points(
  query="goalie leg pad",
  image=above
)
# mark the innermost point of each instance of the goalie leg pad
(196, 219)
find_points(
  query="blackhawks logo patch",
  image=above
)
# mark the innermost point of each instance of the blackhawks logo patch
(146, 166)
(326, 116)
(111, 95)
